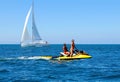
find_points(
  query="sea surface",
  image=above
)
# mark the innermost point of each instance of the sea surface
(20, 65)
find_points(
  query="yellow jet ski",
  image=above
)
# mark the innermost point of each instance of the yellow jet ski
(75, 56)
(78, 55)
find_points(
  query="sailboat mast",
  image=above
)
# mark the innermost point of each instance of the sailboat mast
(32, 18)
(33, 13)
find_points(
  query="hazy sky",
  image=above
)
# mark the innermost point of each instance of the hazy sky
(59, 21)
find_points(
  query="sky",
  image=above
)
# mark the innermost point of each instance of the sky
(59, 21)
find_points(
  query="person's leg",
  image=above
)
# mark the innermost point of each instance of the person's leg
(71, 52)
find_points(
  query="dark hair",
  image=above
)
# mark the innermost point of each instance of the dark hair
(64, 44)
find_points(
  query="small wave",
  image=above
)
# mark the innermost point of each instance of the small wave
(3, 70)
(112, 77)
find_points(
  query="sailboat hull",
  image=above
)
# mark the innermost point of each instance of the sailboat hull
(36, 44)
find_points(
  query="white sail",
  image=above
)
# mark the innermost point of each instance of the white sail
(35, 34)
(34, 39)
(25, 34)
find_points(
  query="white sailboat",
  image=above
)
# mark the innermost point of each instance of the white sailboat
(34, 39)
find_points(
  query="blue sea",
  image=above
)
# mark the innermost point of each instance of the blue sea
(20, 65)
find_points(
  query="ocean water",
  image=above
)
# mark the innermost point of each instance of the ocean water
(20, 65)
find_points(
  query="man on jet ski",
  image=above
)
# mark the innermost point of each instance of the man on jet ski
(72, 48)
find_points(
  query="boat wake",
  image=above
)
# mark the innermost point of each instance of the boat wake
(27, 58)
